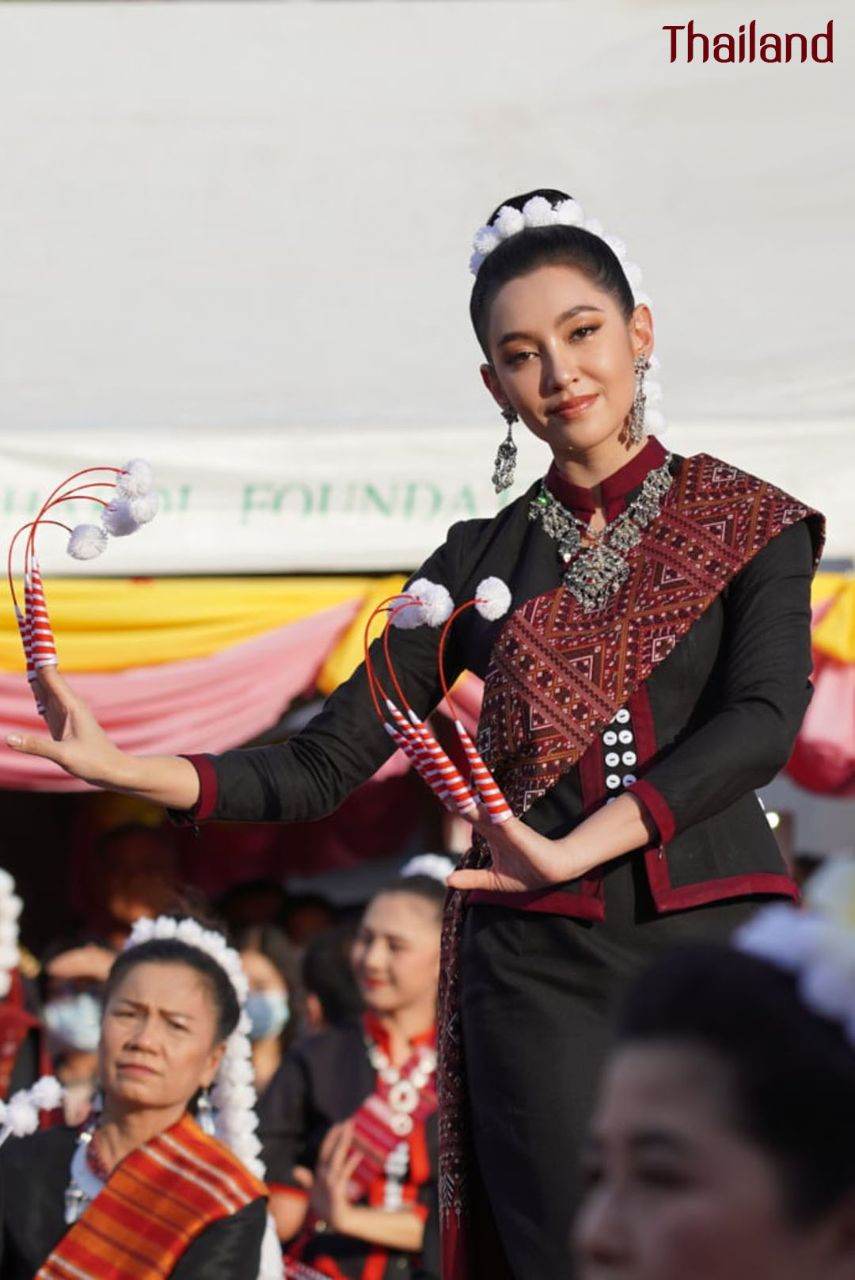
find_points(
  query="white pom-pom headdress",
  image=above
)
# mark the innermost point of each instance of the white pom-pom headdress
(816, 944)
(134, 504)
(233, 1092)
(10, 910)
(538, 212)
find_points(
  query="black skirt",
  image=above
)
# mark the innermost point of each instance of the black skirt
(539, 998)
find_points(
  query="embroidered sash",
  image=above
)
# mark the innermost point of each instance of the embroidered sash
(558, 675)
(156, 1202)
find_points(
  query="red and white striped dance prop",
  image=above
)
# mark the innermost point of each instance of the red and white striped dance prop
(492, 600)
(429, 602)
(134, 503)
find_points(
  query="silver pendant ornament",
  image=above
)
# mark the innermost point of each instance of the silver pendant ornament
(505, 465)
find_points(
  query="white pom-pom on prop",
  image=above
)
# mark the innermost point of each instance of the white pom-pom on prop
(423, 602)
(135, 479)
(492, 598)
(87, 541)
(145, 507)
(118, 518)
(437, 604)
(406, 612)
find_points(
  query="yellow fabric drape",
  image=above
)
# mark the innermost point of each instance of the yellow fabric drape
(113, 624)
(834, 634)
(109, 624)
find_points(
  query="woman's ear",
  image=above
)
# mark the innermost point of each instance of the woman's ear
(641, 330)
(491, 382)
(212, 1066)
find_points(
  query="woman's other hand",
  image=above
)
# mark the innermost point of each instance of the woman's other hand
(523, 859)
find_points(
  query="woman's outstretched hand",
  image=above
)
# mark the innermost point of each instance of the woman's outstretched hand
(80, 746)
(77, 743)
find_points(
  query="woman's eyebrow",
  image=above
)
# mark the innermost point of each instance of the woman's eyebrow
(565, 315)
(169, 1013)
(662, 1139)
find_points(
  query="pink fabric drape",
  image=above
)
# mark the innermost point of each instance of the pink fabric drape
(204, 704)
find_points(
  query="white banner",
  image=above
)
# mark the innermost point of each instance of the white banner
(245, 222)
(346, 500)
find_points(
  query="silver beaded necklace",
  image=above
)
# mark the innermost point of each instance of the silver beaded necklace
(595, 573)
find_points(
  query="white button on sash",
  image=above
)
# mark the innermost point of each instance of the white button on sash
(628, 757)
(625, 736)
(622, 716)
(628, 779)
(610, 737)
(613, 758)
(612, 781)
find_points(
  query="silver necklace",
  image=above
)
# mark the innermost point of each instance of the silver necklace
(404, 1090)
(595, 573)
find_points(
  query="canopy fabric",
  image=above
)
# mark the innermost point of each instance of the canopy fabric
(206, 664)
(115, 624)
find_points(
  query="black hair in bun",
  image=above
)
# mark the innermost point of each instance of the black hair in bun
(545, 246)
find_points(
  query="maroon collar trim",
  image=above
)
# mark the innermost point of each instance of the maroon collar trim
(613, 487)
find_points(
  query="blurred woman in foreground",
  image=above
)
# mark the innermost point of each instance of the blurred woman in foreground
(722, 1148)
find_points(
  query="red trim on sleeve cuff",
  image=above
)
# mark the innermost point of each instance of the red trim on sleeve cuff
(657, 806)
(207, 801)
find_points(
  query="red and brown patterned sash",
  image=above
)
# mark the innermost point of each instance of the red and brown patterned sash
(558, 675)
(155, 1204)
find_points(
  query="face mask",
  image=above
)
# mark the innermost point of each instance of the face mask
(268, 1013)
(74, 1021)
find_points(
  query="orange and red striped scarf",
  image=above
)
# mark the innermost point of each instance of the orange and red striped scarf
(155, 1204)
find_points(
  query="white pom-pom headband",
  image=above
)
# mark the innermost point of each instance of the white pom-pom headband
(233, 1093)
(538, 212)
(134, 504)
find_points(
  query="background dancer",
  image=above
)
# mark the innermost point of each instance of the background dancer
(365, 1093)
(142, 1191)
(653, 672)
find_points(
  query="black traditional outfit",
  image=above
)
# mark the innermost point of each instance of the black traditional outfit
(181, 1206)
(687, 688)
(328, 1078)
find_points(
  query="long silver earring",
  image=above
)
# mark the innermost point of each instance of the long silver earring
(205, 1113)
(635, 426)
(505, 466)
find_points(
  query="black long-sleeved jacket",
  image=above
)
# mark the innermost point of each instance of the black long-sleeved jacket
(716, 718)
